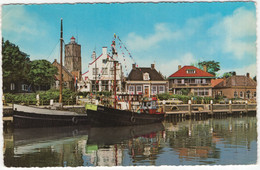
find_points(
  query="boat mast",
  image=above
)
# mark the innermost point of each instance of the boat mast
(61, 41)
(114, 53)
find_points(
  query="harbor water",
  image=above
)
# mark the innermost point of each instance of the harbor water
(214, 141)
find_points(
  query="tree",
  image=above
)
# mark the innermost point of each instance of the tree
(254, 78)
(16, 64)
(212, 66)
(228, 74)
(42, 73)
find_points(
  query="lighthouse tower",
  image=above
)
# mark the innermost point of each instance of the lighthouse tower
(73, 58)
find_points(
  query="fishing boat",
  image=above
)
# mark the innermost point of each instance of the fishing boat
(147, 113)
(27, 116)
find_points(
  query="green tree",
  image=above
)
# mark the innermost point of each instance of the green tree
(16, 64)
(212, 66)
(228, 74)
(42, 72)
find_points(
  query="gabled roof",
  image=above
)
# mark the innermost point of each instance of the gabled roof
(183, 73)
(64, 68)
(108, 56)
(137, 74)
(237, 80)
(215, 82)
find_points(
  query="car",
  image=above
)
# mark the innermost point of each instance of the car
(175, 101)
(239, 101)
(224, 101)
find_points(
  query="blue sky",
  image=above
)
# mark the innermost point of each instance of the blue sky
(167, 34)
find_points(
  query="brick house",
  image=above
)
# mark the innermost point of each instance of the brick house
(145, 81)
(195, 80)
(68, 78)
(236, 86)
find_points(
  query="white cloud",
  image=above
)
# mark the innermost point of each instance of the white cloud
(16, 21)
(162, 33)
(172, 66)
(236, 33)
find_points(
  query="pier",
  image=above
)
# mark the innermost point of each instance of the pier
(207, 110)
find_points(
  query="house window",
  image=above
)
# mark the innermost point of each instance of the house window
(220, 93)
(161, 89)
(201, 92)
(191, 71)
(146, 76)
(175, 81)
(131, 89)
(241, 94)
(95, 71)
(248, 94)
(139, 89)
(24, 87)
(104, 85)
(255, 94)
(154, 90)
(104, 61)
(204, 81)
(104, 71)
(235, 94)
(197, 81)
(12, 86)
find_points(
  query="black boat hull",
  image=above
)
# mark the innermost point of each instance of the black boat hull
(104, 116)
(27, 119)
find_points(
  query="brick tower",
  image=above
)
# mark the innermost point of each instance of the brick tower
(73, 58)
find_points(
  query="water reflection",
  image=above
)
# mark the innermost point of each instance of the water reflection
(211, 141)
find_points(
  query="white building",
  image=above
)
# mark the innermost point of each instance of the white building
(100, 76)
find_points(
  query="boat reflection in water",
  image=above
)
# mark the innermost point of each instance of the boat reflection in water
(73, 146)
(228, 141)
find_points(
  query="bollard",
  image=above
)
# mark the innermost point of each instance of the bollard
(164, 102)
(230, 106)
(211, 106)
(246, 106)
(189, 107)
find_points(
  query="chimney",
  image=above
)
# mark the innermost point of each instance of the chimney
(133, 66)
(248, 75)
(104, 50)
(205, 68)
(179, 67)
(152, 66)
(224, 81)
(93, 55)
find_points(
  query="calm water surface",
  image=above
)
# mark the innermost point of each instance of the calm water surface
(205, 142)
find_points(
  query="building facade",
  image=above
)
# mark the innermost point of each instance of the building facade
(145, 81)
(100, 76)
(73, 58)
(236, 86)
(193, 79)
(67, 78)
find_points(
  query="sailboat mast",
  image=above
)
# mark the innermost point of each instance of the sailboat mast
(114, 53)
(61, 41)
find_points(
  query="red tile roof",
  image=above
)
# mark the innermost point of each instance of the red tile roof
(216, 82)
(183, 72)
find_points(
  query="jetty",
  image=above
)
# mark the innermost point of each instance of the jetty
(206, 110)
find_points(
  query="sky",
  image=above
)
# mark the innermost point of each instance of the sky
(167, 34)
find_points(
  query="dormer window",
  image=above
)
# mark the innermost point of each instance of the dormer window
(146, 76)
(190, 71)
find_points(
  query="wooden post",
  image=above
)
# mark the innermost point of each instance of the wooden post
(246, 106)
(164, 102)
(230, 106)
(211, 107)
(189, 107)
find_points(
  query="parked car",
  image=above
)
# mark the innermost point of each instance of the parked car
(175, 101)
(224, 101)
(239, 101)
